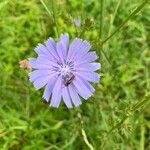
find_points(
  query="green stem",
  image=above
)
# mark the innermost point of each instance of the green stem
(135, 107)
(52, 15)
(126, 20)
(126, 116)
(46, 8)
(142, 139)
(101, 29)
(101, 19)
(114, 16)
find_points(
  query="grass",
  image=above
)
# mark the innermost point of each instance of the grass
(117, 116)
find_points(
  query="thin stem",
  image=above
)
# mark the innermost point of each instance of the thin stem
(126, 20)
(52, 15)
(86, 140)
(101, 18)
(126, 116)
(101, 29)
(84, 133)
(106, 57)
(114, 16)
(142, 139)
(46, 8)
(76, 30)
(135, 107)
(111, 24)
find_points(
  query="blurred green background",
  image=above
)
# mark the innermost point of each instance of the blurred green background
(117, 116)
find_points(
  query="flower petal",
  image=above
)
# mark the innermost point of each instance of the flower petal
(78, 49)
(48, 89)
(64, 38)
(56, 94)
(46, 61)
(60, 49)
(88, 67)
(74, 46)
(74, 96)
(87, 58)
(42, 81)
(41, 50)
(88, 85)
(39, 73)
(51, 46)
(41, 63)
(90, 76)
(81, 88)
(66, 97)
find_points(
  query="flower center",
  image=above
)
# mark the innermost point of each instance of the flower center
(65, 69)
(66, 73)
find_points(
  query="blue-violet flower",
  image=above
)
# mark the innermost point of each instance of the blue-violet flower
(65, 70)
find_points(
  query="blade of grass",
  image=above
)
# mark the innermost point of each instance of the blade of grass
(126, 20)
(111, 23)
(86, 140)
(46, 8)
(83, 132)
(52, 15)
(114, 16)
(101, 19)
(101, 31)
(142, 139)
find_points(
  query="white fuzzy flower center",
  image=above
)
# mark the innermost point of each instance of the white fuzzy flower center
(66, 73)
(65, 69)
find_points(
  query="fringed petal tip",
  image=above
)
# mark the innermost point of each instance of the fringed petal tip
(45, 99)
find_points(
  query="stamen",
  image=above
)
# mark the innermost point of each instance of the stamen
(66, 72)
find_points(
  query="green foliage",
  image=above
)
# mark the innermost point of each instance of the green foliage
(118, 114)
